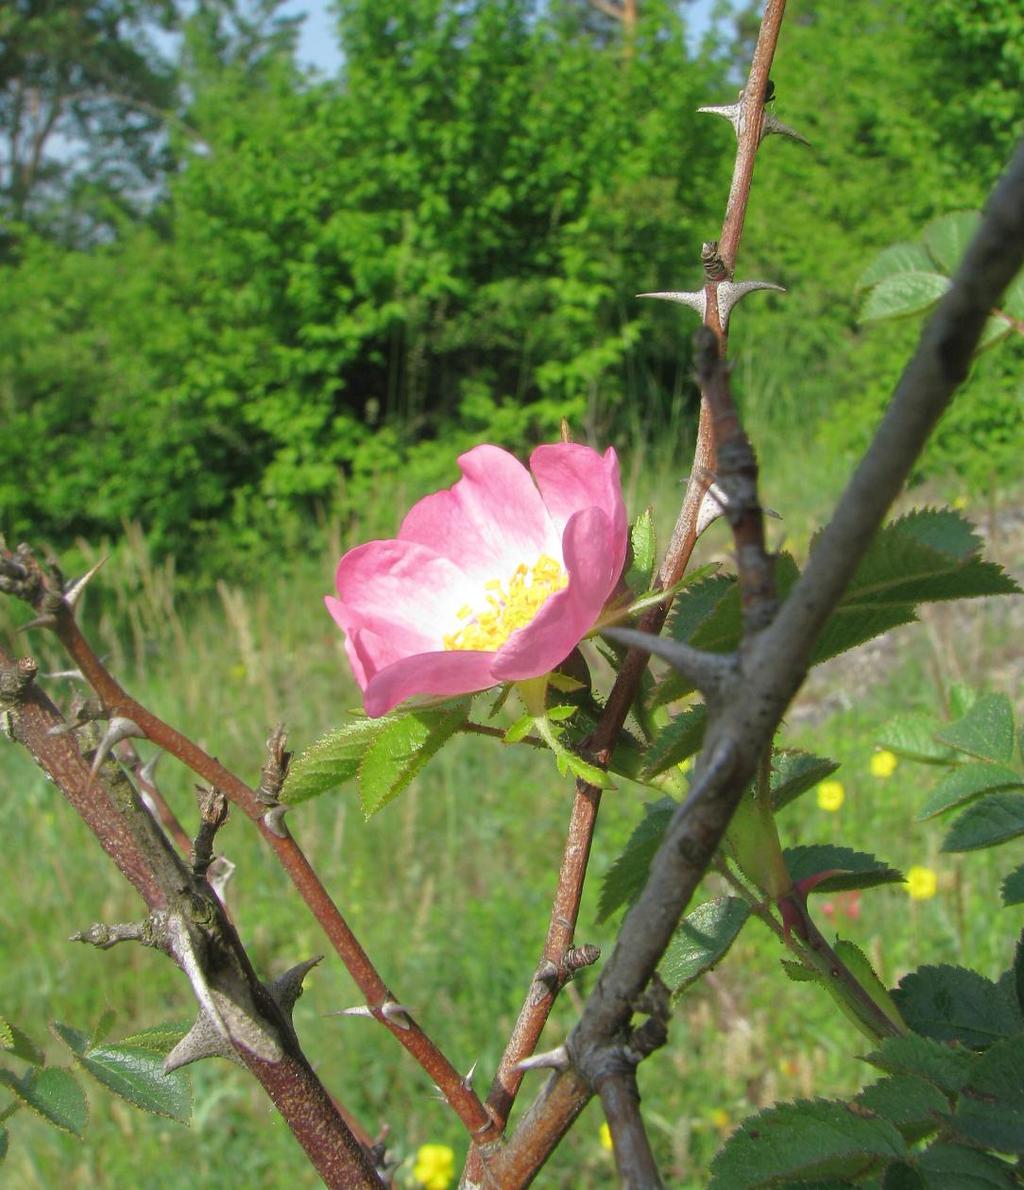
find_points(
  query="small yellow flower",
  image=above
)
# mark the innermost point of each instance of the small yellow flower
(883, 763)
(831, 795)
(605, 1136)
(922, 883)
(435, 1167)
(960, 501)
(721, 1119)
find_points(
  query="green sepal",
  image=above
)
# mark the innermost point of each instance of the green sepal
(642, 552)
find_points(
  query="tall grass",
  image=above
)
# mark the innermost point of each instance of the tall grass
(449, 887)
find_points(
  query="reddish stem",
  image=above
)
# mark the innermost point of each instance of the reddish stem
(463, 1099)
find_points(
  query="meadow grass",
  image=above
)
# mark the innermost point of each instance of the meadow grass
(449, 886)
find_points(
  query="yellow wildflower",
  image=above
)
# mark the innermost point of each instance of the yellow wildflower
(922, 883)
(435, 1167)
(721, 1119)
(831, 795)
(605, 1136)
(883, 763)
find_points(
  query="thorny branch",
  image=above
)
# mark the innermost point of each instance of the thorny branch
(772, 665)
(55, 610)
(549, 977)
(239, 1016)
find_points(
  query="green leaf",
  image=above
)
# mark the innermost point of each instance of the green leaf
(627, 876)
(332, 760)
(158, 1039)
(898, 258)
(915, 1106)
(945, 1165)
(402, 749)
(1013, 887)
(1013, 299)
(642, 552)
(966, 782)
(941, 529)
(76, 1041)
(996, 329)
(913, 737)
(697, 605)
(137, 1075)
(993, 820)
(54, 1094)
(956, 1004)
(681, 737)
(986, 731)
(947, 237)
(702, 939)
(926, 556)
(806, 1140)
(946, 1067)
(1016, 972)
(134, 1070)
(15, 1042)
(519, 730)
(709, 617)
(902, 294)
(3, 1142)
(990, 1112)
(853, 869)
(794, 772)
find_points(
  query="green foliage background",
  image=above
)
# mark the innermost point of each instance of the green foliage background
(339, 279)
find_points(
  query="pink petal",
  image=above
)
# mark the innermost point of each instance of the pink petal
(402, 592)
(572, 477)
(434, 674)
(489, 522)
(593, 562)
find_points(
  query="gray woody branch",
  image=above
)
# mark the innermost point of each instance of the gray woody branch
(771, 666)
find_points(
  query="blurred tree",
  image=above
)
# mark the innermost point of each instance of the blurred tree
(84, 92)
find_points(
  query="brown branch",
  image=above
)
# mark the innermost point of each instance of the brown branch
(463, 1100)
(183, 907)
(548, 978)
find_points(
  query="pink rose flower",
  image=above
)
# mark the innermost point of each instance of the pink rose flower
(496, 579)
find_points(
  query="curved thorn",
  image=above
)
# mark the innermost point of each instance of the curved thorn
(556, 1059)
(396, 1014)
(146, 771)
(696, 301)
(73, 591)
(705, 671)
(712, 506)
(287, 987)
(69, 675)
(119, 728)
(218, 874)
(355, 1010)
(46, 620)
(731, 292)
(728, 111)
(773, 124)
(467, 1080)
(274, 821)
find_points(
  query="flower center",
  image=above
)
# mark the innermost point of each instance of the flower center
(509, 606)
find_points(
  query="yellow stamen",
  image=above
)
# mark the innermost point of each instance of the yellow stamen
(507, 606)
